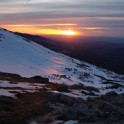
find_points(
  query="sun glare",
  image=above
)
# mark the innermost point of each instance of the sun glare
(44, 31)
(68, 32)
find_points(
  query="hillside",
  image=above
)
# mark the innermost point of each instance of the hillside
(106, 52)
(36, 81)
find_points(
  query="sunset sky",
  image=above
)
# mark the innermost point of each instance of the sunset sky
(81, 17)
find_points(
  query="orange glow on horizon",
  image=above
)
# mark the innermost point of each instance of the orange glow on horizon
(40, 31)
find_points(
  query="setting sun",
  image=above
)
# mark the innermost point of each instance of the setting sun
(68, 32)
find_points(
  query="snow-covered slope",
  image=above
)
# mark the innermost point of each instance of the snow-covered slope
(21, 56)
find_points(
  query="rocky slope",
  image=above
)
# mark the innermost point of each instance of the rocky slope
(38, 104)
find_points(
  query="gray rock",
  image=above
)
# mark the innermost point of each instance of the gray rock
(116, 110)
(97, 111)
(39, 79)
(58, 107)
(63, 89)
(80, 111)
(61, 98)
(111, 93)
(91, 89)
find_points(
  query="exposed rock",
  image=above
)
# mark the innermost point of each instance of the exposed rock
(58, 108)
(9, 75)
(63, 89)
(91, 89)
(113, 109)
(5, 103)
(61, 98)
(39, 79)
(89, 93)
(105, 109)
(19, 95)
(97, 111)
(111, 93)
(79, 111)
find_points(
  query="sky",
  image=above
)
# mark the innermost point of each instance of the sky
(52, 17)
